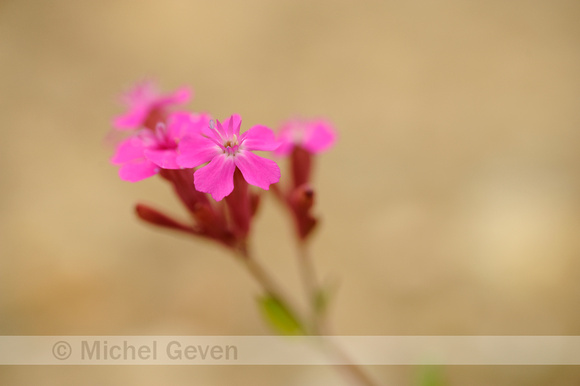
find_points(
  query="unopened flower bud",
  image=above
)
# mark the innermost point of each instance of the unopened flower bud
(157, 218)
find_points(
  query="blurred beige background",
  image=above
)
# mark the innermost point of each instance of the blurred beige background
(451, 204)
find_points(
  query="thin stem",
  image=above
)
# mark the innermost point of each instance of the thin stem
(311, 287)
(352, 371)
(269, 285)
(313, 291)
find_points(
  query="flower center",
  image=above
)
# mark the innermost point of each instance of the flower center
(231, 145)
(158, 138)
(227, 142)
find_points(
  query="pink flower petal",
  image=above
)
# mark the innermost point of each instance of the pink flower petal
(196, 150)
(165, 159)
(138, 170)
(321, 137)
(214, 133)
(178, 97)
(314, 136)
(178, 123)
(290, 134)
(217, 177)
(219, 131)
(257, 170)
(142, 92)
(259, 138)
(237, 123)
(128, 150)
(232, 125)
(132, 119)
(145, 99)
(182, 124)
(284, 148)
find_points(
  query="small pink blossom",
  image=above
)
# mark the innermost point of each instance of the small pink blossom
(225, 150)
(314, 136)
(148, 151)
(147, 106)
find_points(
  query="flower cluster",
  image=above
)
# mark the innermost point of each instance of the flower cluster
(211, 165)
(202, 158)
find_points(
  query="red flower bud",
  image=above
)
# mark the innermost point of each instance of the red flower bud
(157, 218)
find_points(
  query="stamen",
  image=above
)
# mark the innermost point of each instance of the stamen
(216, 130)
(216, 142)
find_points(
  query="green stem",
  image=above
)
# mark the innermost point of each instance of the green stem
(311, 287)
(269, 285)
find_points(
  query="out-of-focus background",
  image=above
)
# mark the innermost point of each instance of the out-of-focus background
(451, 204)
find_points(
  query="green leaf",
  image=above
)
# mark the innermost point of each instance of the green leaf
(279, 316)
(431, 376)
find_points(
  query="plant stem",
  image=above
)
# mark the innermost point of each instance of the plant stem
(352, 371)
(313, 290)
(311, 287)
(269, 285)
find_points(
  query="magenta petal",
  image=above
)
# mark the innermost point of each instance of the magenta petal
(259, 138)
(145, 98)
(258, 171)
(200, 123)
(219, 130)
(232, 125)
(143, 93)
(284, 148)
(217, 177)
(196, 150)
(180, 96)
(131, 120)
(178, 124)
(138, 170)
(236, 122)
(182, 124)
(128, 150)
(321, 137)
(165, 159)
(289, 135)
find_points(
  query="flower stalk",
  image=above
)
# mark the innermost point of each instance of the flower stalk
(351, 371)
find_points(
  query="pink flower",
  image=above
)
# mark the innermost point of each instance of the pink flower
(145, 153)
(147, 106)
(314, 136)
(225, 149)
